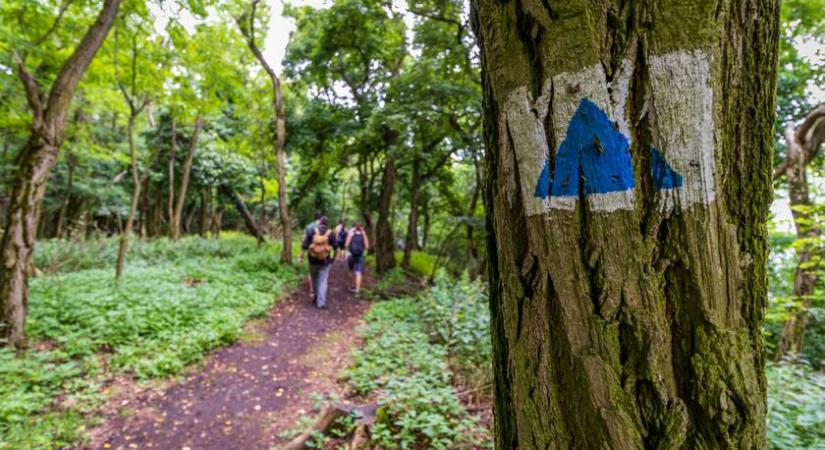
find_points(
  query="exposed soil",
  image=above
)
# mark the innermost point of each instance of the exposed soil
(245, 395)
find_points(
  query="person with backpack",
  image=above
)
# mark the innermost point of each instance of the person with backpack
(308, 229)
(341, 238)
(319, 243)
(358, 244)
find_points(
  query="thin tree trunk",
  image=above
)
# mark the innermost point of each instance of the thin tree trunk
(384, 241)
(203, 224)
(184, 180)
(71, 161)
(801, 147)
(217, 218)
(412, 223)
(34, 164)
(472, 251)
(629, 148)
(137, 182)
(170, 207)
(248, 30)
(425, 235)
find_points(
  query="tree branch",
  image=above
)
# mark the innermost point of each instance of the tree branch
(64, 85)
(63, 7)
(33, 95)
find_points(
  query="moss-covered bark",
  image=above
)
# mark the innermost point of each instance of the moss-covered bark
(630, 320)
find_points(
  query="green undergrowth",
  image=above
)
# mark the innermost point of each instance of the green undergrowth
(418, 355)
(176, 301)
(796, 407)
(422, 264)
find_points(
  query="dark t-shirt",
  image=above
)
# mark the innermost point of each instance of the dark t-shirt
(308, 234)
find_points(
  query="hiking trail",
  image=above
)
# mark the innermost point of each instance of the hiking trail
(243, 396)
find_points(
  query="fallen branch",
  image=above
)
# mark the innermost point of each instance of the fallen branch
(322, 424)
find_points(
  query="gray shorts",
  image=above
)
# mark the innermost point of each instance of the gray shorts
(356, 263)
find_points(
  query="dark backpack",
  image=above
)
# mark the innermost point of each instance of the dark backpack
(356, 244)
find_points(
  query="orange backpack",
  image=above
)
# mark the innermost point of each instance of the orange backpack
(319, 248)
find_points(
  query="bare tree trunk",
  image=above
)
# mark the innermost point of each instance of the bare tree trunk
(71, 161)
(184, 181)
(629, 147)
(384, 241)
(34, 164)
(247, 26)
(801, 147)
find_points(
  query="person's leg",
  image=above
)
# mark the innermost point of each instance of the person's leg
(321, 286)
(359, 269)
(351, 267)
(314, 281)
(309, 282)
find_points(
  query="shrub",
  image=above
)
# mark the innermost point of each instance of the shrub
(796, 407)
(404, 360)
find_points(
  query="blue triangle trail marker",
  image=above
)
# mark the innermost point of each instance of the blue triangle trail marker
(595, 154)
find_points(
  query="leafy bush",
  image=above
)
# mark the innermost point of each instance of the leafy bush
(796, 407)
(421, 263)
(175, 302)
(457, 316)
(404, 360)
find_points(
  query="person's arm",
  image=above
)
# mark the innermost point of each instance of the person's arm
(366, 241)
(305, 245)
(349, 239)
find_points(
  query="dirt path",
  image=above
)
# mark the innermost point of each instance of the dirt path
(245, 394)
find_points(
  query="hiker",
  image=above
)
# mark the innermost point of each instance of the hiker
(358, 244)
(341, 238)
(309, 228)
(319, 243)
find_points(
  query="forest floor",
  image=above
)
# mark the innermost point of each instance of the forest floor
(245, 395)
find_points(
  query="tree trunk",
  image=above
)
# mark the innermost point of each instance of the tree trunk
(203, 225)
(249, 221)
(472, 251)
(425, 235)
(215, 225)
(248, 30)
(34, 164)
(801, 147)
(184, 180)
(71, 161)
(384, 242)
(412, 223)
(137, 182)
(170, 207)
(627, 190)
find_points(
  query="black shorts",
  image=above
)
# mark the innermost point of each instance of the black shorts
(356, 263)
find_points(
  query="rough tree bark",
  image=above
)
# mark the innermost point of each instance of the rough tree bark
(384, 241)
(184, 178)
(247, 26)
(34, 164)
(802, 145)
(627, 190)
